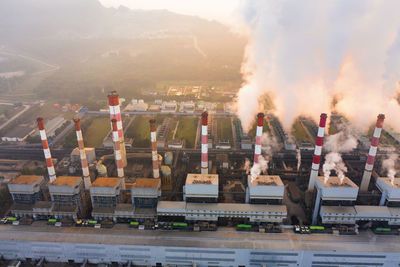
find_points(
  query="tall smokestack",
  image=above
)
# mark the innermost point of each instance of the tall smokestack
(154, 154)
(317, 151)
(46, 150)
(204, 143)
(372, 153)
(82, 153)
(117, 149)
(259, 132)
(115, 113)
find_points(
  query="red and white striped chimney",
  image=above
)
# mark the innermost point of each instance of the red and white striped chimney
(259, 132)
(317, 151)
(82, 153)
(46, 150)
(117, 149)
(372, 153)
(204, 143)
(154, 154)
(115, 113)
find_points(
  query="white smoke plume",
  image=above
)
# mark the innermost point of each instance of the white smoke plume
(269, 145)
(305, 53)
(247, 165)
(342, 142)
(258, 168)
(334, 161)
(388, 164)
(298, 157)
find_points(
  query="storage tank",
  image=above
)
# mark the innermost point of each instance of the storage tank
(169, 157)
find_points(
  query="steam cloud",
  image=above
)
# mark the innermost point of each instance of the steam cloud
(388, 164)
(298, 157)
(343, 141)
(269, 145)
(306, 53)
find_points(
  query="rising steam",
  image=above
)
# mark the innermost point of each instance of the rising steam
(343, 141)
(269, 145)
(306, 53)
(298, 157)
(388, 165)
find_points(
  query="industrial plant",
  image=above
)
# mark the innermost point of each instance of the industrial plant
(260, 190)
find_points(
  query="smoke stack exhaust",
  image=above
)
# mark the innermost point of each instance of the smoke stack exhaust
(371, 154)
(204, 143)
(46, 150)
(82, 153)
(259, 132)
(117, 149)
(317, 151)
(115, 113)
(154, 154)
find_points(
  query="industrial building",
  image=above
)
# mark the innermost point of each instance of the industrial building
(211, 188)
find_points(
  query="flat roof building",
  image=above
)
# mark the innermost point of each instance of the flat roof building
(201, 188)
(145, 192)
(267, 189)
(105, 195)
(66, 194)
(333, 189)
(390, 191)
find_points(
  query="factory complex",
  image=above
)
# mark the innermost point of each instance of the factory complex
(260, 202)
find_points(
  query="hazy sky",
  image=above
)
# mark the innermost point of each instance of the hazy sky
(210, 9)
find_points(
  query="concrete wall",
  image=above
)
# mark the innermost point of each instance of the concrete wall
(186, 256)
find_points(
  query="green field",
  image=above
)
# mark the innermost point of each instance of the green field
(299, 133)
(224, 130)
(139, 130)
(94, 130)
(187, 130)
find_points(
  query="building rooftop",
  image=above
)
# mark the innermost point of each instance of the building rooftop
(106, 182)
(388, 183)
(146, 183)
(338, 209)
(265, 180)
(26, 179)
(66, 181)
(334, 181)
(194, 178)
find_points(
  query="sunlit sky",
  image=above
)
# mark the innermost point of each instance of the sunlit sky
(221, 10)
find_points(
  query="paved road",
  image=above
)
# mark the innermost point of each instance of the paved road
(223, 238)
(67, 129)
(26, 107)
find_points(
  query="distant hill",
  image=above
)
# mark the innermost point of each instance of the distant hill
(67, 19)
(129, 50)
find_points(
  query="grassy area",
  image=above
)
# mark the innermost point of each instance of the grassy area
(187, 130)
(224, 129)
(139, 130)
(94, 129)
(299, 133)
(96, 132)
